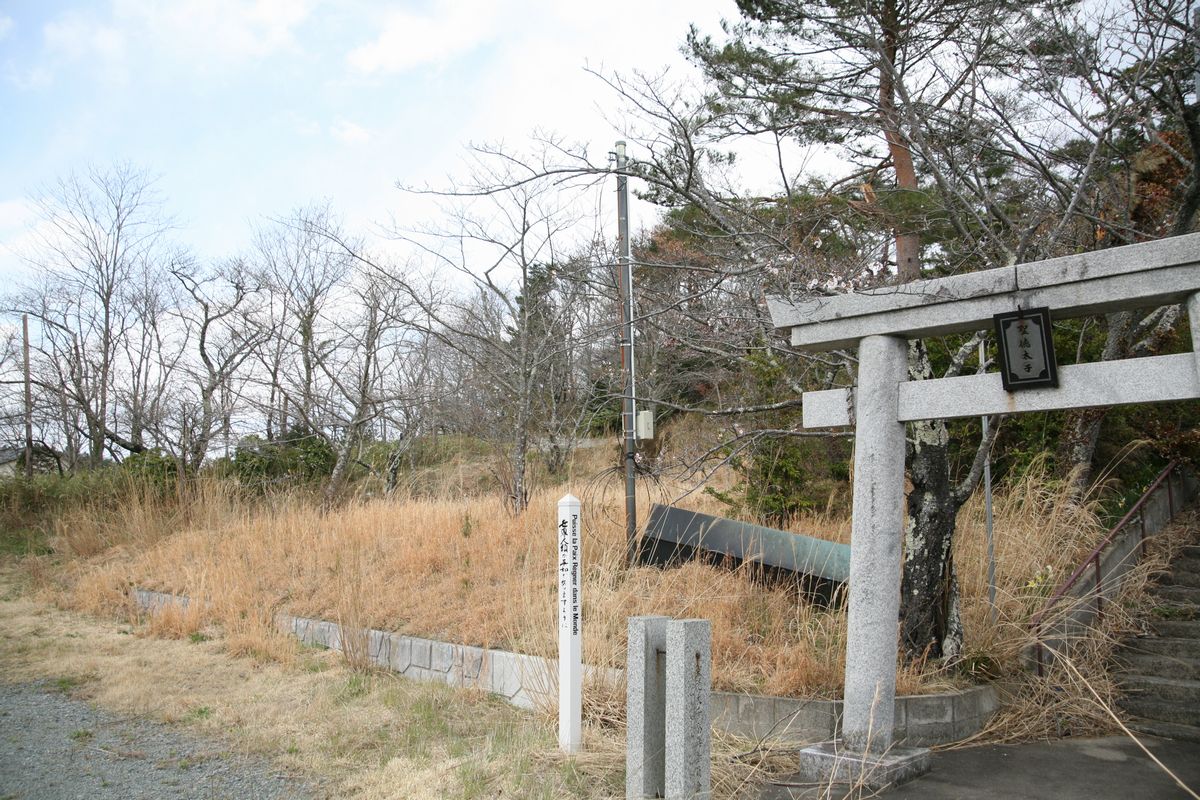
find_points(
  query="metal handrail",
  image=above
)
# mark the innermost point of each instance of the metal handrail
(1094, 558)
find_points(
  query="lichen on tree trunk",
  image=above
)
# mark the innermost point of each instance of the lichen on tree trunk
(929, 591)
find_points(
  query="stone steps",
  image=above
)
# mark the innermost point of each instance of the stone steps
(1183, 595)
(1167, 730)
(1182, 628)
(1186, 564)
(1185, 578)
(1170, 646)
(1159, 665)
(1180, 691)
(1145, 709)
(1160, 673)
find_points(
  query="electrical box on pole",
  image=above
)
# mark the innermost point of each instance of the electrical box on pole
(645, 425)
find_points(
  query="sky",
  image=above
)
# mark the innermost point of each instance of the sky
(247, 109)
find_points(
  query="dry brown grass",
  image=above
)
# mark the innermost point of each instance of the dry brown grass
(361, 734)
(448, 568)
(471, 572)
(1041, 535)
(1077, 695)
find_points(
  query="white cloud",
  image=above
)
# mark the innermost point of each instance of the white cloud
(14, 214)
(307, 127)
(79, 37)
(537, 78)
(6, 25)
(193, 35)
(349, 132)
(20, 233)
(229, 30)
(29, 79)
(409, 40)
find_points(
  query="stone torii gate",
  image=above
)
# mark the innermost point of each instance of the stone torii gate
(880, 323)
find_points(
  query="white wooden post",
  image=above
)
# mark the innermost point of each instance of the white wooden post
(570, 659)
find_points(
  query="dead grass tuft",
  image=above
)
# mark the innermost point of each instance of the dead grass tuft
(358, 734)
(447, 568)
(1078, 693)
(443, 568)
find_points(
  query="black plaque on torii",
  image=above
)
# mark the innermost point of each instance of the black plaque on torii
(1026, 349)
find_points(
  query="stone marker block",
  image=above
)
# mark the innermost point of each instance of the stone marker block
(442, 656)
(420, 652)
(828, 764)
(377, 641)
(688, 735)
(506, 679)
(401, 653)
(645, 743)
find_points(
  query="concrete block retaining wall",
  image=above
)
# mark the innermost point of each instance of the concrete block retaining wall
(920, 720)
(531, 682)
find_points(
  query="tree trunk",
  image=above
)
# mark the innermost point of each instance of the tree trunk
(394, 462)
(95, 444)
(341, 469)
(928, 596)
(519, 490)
(1078, 443)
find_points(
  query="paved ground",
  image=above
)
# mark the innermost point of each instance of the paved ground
(1110, 768)
(1087, 769)
(56, 748)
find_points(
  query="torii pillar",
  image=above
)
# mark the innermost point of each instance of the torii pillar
(880, 323)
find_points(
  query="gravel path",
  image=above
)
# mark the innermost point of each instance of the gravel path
(56, 748)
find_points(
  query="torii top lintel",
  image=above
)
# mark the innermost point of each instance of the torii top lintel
(1134, 276)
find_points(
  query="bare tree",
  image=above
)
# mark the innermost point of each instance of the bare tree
(216, 325)
(986, 129)
(371, 345)
(512, 317)
(303, 271)
(99, 246)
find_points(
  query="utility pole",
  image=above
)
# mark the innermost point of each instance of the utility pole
(987, 505)
(28, 403)
(628, 411)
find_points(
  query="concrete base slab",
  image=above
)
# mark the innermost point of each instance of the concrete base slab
(827, 765)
